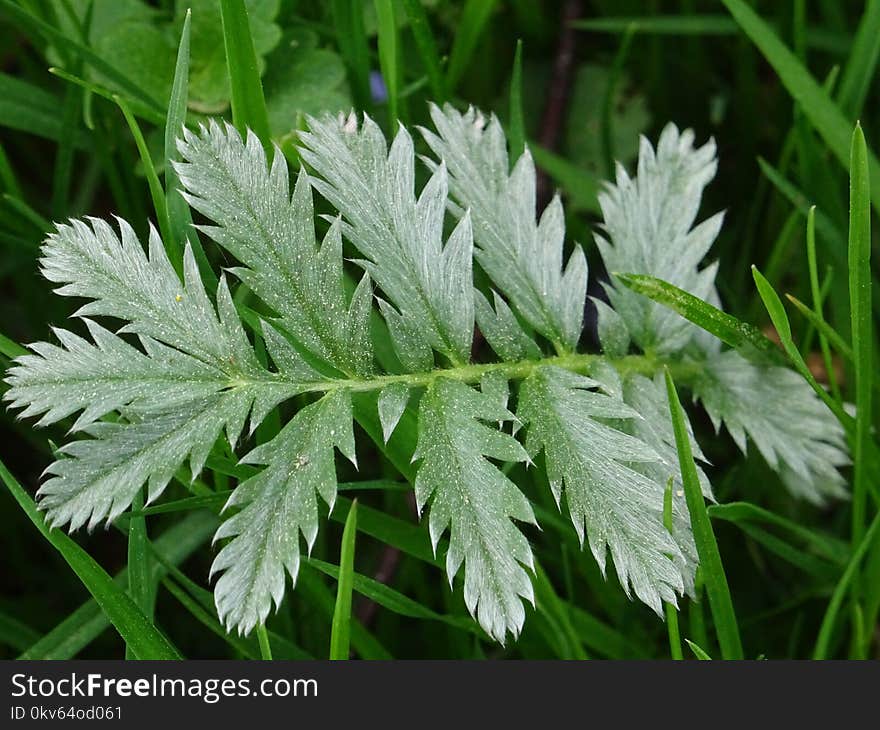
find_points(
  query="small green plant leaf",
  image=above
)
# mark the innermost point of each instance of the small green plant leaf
(523, 257)
(341, 626)
(590, 462)
(711, 566)
(477, 504)
(277, 504)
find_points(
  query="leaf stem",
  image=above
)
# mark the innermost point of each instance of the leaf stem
(263, 638)
(474, 372)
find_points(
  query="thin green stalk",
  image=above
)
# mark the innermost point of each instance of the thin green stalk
(427, 47)
(516, 134)
(668, 609)
(340, 633)
(860, 312)
(263, 638)
(27, 213)
(710, 559)
(388, 55)
(179, 216)
(776, 310)
(825, 116)
(815, 291)
(64, 155)
(248, 102)
(474, 372)
(172, 245)
(140, 582)
(608, 100)
(473, 21)
(352, 41)
(7, 176)
(826, 630)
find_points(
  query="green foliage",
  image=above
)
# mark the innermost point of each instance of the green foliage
(197, 375)
(362, 294)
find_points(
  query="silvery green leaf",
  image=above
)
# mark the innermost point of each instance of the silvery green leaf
(196, 376)
(391, 405)
(473, 500)
(594, 464)
(91, 261)
(523, 257)
(400, 235)
(502, 331)
(272, 234)
(103, 377)
(648, 228)
(97, 478)
(276, 506)
(792, 428)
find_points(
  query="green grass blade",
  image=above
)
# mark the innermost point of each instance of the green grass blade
(696, 25)
(698, 652)
(825, 116)
(710, 559)
(28, 213)
(139, 110)
(136, 629)
(340, 632)
(816, 293)
(825, 330)
(10, 348)
(670, 611)
(64, 155)
(741, 513)
(473, 21)
(16, 634)
(554, 610)
(8, 180)
(860, 311)
(778, 316)
(393, 600)
(602, 638)
(826, 630)
(725, 327)
(87, 622)
(348, 21)
(824, 225)
(388, 55)
(29, 108)
(209, 621)
(179, 216)
(248, 102)
(427, 47)
(140, 583)
(516, 134)
(364, 643)
(862, 62)
(157, 194)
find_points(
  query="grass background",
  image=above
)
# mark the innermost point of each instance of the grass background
(781, 100)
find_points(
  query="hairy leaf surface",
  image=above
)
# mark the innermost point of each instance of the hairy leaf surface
(522, 256)
(473, 500)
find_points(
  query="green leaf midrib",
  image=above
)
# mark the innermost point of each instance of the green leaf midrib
(520, 370)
